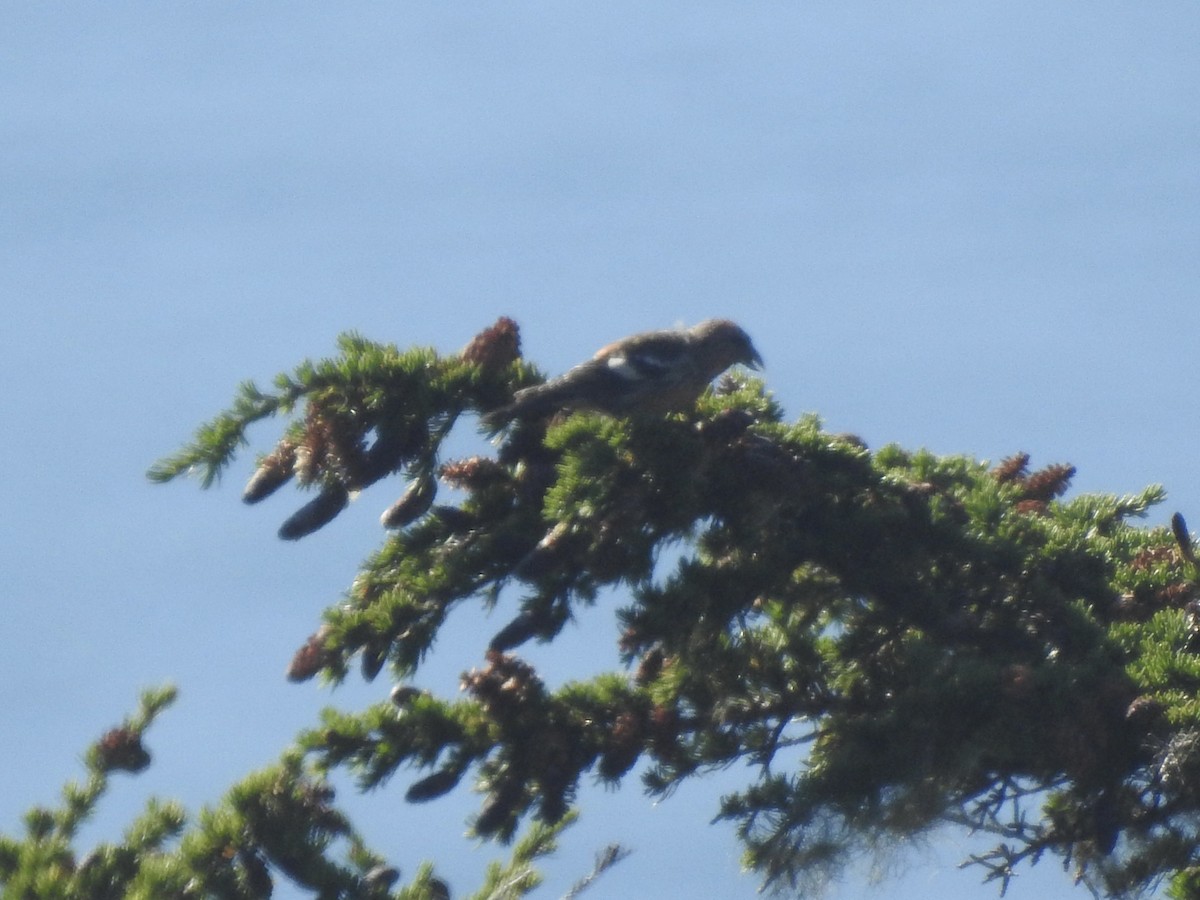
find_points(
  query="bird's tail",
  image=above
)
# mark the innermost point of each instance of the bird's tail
(534, 402)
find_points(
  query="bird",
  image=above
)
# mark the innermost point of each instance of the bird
(653, 372)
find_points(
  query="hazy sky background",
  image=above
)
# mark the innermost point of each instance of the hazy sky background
(971, 227)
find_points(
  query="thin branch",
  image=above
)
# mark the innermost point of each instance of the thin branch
(605, 860)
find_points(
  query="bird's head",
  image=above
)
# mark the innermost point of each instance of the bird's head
(726, 344)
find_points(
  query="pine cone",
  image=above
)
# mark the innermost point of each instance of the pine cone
(415, 502)
(316, 513)
(273, 472)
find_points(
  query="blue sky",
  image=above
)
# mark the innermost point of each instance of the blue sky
(971, 227)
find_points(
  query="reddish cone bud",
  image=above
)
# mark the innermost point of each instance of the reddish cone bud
(121, 750)
(496, 347)
(311, 658)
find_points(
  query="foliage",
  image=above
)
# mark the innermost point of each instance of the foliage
(895, 641)
(281, 820)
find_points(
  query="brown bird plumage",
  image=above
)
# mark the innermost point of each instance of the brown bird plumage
(648, 373)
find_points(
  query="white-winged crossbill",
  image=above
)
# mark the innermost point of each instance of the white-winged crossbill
(653, 372)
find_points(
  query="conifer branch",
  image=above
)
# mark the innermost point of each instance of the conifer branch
(948, 642)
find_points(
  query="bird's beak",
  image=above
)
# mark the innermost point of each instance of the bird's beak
(755, 362)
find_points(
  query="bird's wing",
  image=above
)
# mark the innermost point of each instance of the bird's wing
(654, 356)
(648, 367)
